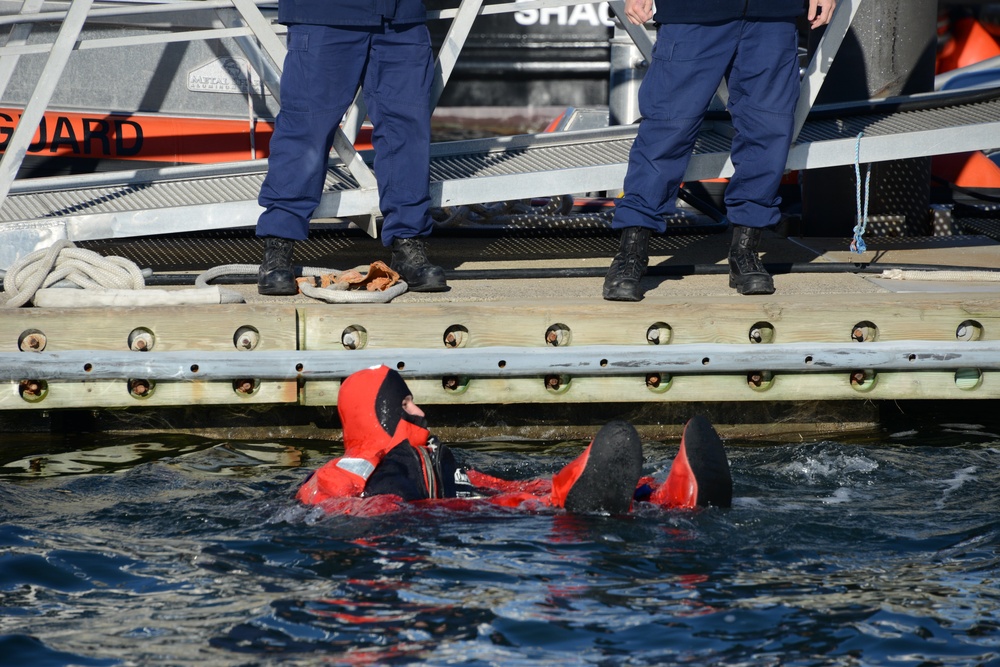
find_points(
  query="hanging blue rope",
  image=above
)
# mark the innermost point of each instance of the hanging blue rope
(858, 242)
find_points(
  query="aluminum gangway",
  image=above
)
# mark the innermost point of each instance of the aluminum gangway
(37, 212)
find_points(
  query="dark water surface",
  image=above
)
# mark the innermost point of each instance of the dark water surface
(179, 551)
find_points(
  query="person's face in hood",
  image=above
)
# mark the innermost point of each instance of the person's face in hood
(377, 412)
(411, 408)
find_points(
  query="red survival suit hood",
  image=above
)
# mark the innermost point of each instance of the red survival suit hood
(374, 421)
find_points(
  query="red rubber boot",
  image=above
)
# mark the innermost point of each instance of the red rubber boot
(700, 474)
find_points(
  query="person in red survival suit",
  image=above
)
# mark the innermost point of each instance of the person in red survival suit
(390, 457)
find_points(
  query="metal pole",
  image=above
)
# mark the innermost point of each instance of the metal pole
(18, 37)
(266, 38)
(889, 50)
(822, 59)
(458, 33)
(627, 68)
(143, 9)
(63, 46)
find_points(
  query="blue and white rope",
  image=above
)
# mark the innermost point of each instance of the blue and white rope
(858, 242)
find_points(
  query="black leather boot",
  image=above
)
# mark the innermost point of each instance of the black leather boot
(409, 260)
(746, 272)
(275, 276)
(628, 266)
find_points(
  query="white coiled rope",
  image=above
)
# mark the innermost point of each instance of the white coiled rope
(64, 261)
(107, 281)
(119, 281)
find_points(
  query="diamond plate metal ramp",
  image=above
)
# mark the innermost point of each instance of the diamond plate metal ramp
(181, 199)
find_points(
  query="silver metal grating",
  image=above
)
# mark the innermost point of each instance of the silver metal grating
(467, 165)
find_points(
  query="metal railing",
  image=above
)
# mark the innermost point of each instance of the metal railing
(259, 38)
(506, 361)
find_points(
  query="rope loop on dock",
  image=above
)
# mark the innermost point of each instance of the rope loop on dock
(118, 281)
(337, 292)
(63, 261)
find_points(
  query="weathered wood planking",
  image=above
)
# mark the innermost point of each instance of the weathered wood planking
(809, 318)
(174, 328)
(523, 323)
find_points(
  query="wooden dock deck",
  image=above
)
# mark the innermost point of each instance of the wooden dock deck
(536, 293)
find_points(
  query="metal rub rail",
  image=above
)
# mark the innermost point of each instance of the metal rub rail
(690, 359)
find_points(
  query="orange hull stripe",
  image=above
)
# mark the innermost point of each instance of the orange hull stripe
(149, 138)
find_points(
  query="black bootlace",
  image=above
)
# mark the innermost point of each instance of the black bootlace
(749, 262)
(631, 260)
(278, 253)
(631, 266)
(413, 251)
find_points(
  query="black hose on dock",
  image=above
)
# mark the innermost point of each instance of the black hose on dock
(675, 270)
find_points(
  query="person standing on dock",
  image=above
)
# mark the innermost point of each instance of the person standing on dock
(753, 45)
(334, 46)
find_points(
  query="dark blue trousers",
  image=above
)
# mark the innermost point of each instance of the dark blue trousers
(759, 60)
(322, 72)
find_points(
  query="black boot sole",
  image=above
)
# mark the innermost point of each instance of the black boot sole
(272, 285)
(429, 286)
(431, 278)
(622, 293)
(706, 457)
(276, 291)
(753, 285)
(607, 483)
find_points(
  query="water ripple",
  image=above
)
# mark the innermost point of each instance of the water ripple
(192, 551)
